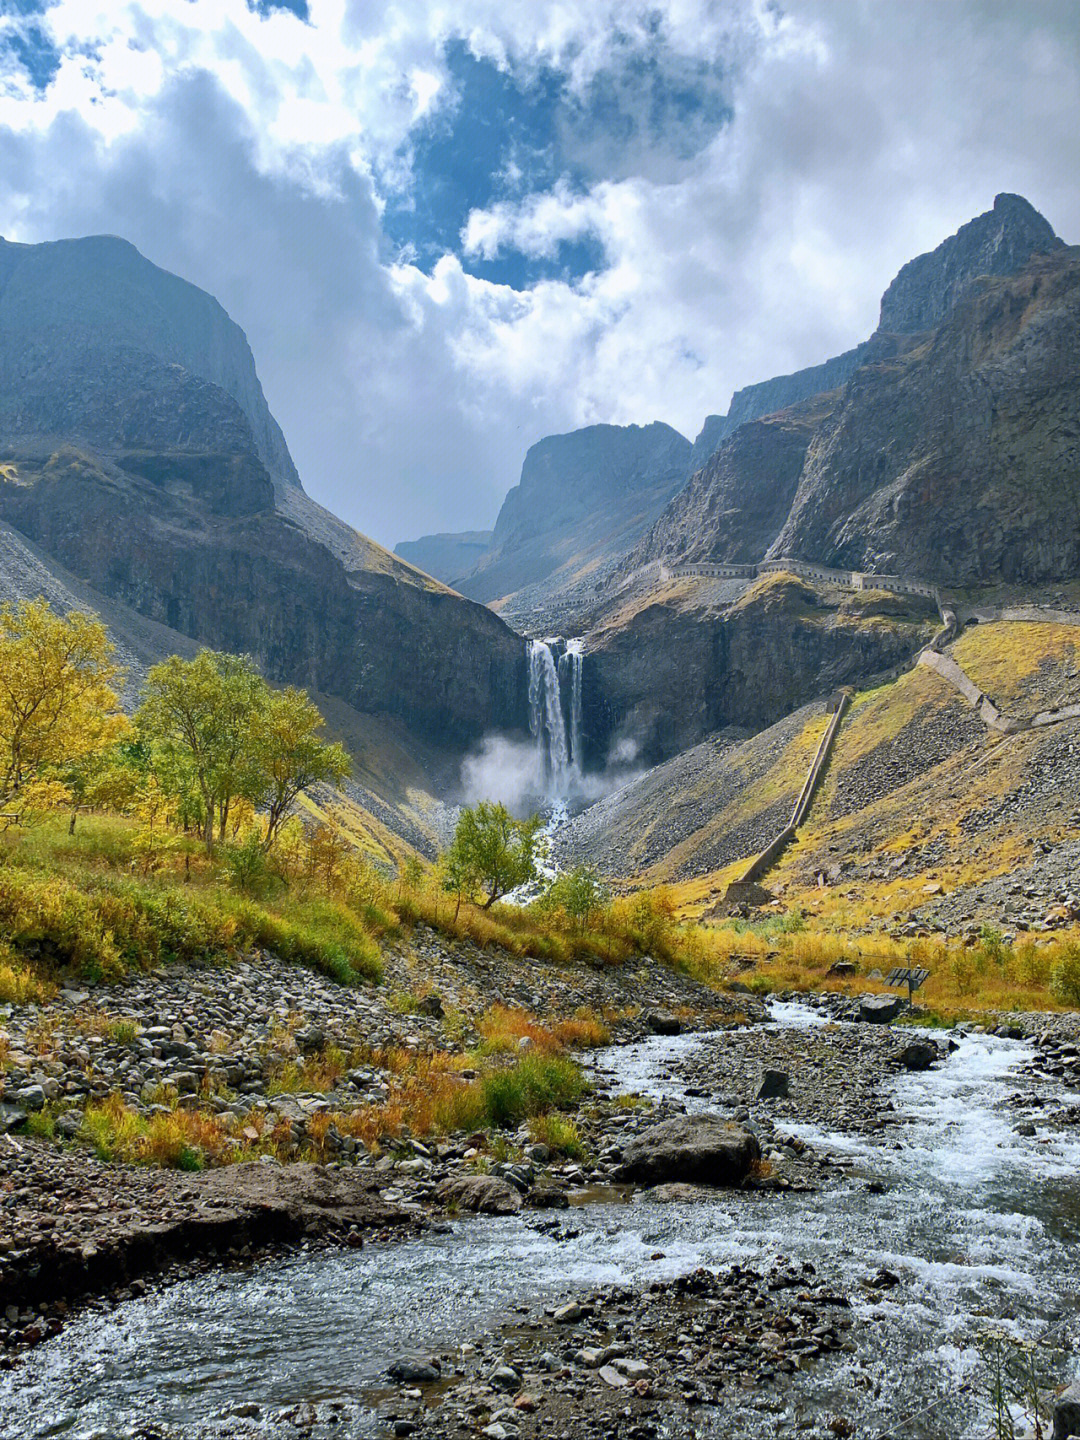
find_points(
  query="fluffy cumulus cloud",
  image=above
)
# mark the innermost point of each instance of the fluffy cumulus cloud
(451, 229)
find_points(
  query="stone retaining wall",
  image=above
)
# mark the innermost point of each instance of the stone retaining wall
(768, 857)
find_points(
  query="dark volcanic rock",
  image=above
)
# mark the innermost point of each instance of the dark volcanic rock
(879, 1009)
(957, 461)
(662, 1022)
(999, 242)
(697, 1149)
(919, 1055)
(734, 508)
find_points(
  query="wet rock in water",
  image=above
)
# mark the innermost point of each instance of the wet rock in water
(919, 1055)
(662, 1022)
(483, 1194)
(571, 1313)
(678, 1193)
(700, 1149)
(415, 1372)
(879, 1009)
(547, 1197)
(775, 1084)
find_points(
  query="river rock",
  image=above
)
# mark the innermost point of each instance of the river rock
(505, 1377)
(415, 1372)
(662, 1022)
(699, 1149)
(483, 1194)
(775, 1084)
(919, 1055)
(547, 1197)
(879, 1009)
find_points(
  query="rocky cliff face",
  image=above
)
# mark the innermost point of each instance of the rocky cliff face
(583, 498)
(770, 396)
(999, 242)
(733, 508)
(672, 672)
(62, 304)
(947, 452)
(448, 558)
(136, 450)
(960, 459)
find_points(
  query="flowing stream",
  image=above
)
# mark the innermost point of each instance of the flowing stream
(978, 1221)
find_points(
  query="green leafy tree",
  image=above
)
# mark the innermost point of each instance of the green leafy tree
(491, 853)
(58, 707)
(201, 714)
(289, 755)
(579, 893)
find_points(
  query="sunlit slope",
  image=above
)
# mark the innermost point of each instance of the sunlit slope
(917, 792)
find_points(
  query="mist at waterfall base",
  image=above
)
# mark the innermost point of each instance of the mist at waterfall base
(547, 772)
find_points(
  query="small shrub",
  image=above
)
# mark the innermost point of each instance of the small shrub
(535, 1084)
(559, 1133)
(1065, 975)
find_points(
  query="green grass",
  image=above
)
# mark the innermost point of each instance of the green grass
(534, 1085)
(71, 904)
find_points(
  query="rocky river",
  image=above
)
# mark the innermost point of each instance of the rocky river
(849, 1301)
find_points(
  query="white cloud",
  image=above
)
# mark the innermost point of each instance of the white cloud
(255, 156)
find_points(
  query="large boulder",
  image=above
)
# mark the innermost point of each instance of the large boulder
(484, 1194)
(1067, 1413)
(919, 1055)
(662, 1022)
(697, 1149)
(879, 1009)
(775, 1084)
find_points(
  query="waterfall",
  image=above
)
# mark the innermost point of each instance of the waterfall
(574, 659)
(556, 712)
(546, 719)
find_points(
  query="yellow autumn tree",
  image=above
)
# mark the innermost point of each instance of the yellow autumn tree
(57, 702)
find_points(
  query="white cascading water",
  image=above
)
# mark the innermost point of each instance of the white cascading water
(574, 660)
(546, 719)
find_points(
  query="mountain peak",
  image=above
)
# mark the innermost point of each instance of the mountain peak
(998, 242)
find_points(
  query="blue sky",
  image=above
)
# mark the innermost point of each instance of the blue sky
(451, 230)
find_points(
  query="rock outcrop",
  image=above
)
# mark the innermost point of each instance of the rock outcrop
(137, 452)
(583, 498)
(999, 242)
(959, 461)
(734, 507)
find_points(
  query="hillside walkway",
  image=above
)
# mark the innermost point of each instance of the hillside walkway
(932, 657)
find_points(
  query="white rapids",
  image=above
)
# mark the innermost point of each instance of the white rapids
(978, 1222)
